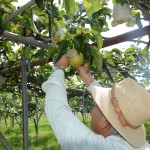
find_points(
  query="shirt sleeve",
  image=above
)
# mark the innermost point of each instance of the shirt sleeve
(69, 130)
(94, 83)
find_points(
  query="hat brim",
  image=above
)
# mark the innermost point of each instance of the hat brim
(102, 97)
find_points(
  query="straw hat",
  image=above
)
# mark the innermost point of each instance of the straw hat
(127, 107)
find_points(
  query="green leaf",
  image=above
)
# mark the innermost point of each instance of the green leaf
(52, 51)
(110, 62)
(129, 50)
(78, 78)
(82, 30)
(95, 25)
(98, 58)
(87, 49)
(78, 42)
(70, 7)
(53, 11)
(88, 53)
(40, 4)
(61, 23)
(131, 58)
(114, 1)
(117, 51)
(62, 49)
(79, 30)
(144, 51)
(98, 39)
(107, 55)
(91, 7)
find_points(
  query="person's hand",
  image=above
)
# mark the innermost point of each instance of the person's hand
(84, 73)
(63, 62)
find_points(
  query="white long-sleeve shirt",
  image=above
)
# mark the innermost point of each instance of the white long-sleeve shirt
(71, 133)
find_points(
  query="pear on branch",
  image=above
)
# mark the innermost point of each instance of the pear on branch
(75, 59)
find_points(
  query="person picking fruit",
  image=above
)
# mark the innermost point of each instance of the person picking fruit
(118, 116)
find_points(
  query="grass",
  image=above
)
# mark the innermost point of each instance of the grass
(147, 125)
(46, 139)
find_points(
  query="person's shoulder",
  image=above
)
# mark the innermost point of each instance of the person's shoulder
(146, 146)
(117, 143)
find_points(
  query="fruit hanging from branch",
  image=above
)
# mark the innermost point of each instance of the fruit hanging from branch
(75, 59)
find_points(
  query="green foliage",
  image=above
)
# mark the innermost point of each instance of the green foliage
(70, 7)
(97, 59)
(80, 26)
(53, 11)
(147, 126)
(91, 7)
(64, 26)
(98, 39)
(41, 4)
(78, 42)
(62, 49)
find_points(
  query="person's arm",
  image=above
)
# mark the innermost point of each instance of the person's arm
(87, 77)
(85, 74)
(70, 131)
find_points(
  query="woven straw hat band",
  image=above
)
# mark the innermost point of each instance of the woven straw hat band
(117, 110)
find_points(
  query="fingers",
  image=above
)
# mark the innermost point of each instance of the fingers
(80, 67)
(83, 67)
(65, 57)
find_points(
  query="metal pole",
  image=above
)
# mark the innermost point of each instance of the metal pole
(24, 102)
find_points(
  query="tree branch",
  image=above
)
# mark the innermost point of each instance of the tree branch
(139, 41)
(20, 10)
(24, 40)
(127, 36)
(107, 42)
(30, 65)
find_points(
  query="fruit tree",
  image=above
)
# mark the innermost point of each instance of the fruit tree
(34, 35)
